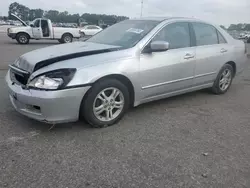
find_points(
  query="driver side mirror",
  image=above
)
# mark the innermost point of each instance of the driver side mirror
(31, 25)
(159, 46)
(156, 46)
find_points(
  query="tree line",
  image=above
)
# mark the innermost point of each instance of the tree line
(237, 27)
(27, 14)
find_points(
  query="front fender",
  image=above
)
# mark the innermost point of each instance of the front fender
(128, 68)
(89, 75)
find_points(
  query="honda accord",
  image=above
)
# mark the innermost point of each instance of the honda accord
(130, 63)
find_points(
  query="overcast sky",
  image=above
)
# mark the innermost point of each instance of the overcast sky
(217, 11)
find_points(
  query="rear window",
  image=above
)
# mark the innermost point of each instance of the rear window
(221, 39)
(205, 34)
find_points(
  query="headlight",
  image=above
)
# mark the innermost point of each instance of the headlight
(52, 80)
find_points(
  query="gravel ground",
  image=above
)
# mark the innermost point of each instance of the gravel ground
(193, 140)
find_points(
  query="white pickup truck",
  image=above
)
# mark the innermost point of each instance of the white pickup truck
(41, 28)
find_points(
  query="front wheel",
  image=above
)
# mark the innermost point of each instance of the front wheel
(223, 80)
(67, 38)
(22, 38)
(105, 103)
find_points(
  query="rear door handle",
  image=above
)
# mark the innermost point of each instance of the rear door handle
(188, 56)
(223, 50)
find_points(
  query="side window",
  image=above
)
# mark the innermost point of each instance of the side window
(221, 39)
(176, 34)
(92, 27)
(37, 23)
(205, 34)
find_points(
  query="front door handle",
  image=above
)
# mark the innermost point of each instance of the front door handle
(223, 50)
(188, 56)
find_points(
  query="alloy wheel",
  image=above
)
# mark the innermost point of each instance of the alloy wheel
(108, 104)
(225, 79)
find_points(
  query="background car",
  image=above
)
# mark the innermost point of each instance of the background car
(90, 30)
(41, 28)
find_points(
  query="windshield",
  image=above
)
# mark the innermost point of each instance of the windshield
(125, 34)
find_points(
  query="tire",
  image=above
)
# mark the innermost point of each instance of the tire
(67, 38)
(23, 38)
(90, 100)
(218, 88)
(60, 40)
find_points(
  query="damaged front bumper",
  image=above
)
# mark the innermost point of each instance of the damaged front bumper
(47, 106)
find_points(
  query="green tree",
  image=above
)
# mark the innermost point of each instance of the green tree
(30, 14)
(223, 27)
(233, 27)
(19, 10)
(247, 27)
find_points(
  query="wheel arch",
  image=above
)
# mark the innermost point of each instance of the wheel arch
(123, 79)
(67, 33)
(233, 64)
(22, 32)
(126, 81)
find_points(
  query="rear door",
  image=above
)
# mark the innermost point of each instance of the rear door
(212, 52)
(36, 29)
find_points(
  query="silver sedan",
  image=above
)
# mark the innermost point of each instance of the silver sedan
(127, 64)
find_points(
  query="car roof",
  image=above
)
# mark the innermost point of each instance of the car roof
(160, 19)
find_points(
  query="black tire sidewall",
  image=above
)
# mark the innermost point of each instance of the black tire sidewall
(87, 104)
(22, 34)
(66, 35)
(216, 87)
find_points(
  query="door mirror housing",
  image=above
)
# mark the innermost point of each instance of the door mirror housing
(159, 46)
(31, 25)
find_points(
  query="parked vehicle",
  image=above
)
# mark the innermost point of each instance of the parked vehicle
(127, 64)
(41, 28)
(2, 22)
(90, 30)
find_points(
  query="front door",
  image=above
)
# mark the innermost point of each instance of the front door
(37, 30)
(211, 53)
(162, 73)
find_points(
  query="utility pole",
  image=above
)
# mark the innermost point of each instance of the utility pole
(141, 7)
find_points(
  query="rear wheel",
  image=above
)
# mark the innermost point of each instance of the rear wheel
(22, 38)
(223, 80)
(105, 103)
(67, 38)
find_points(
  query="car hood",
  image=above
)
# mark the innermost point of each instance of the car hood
(40, 58)
(23, 22)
